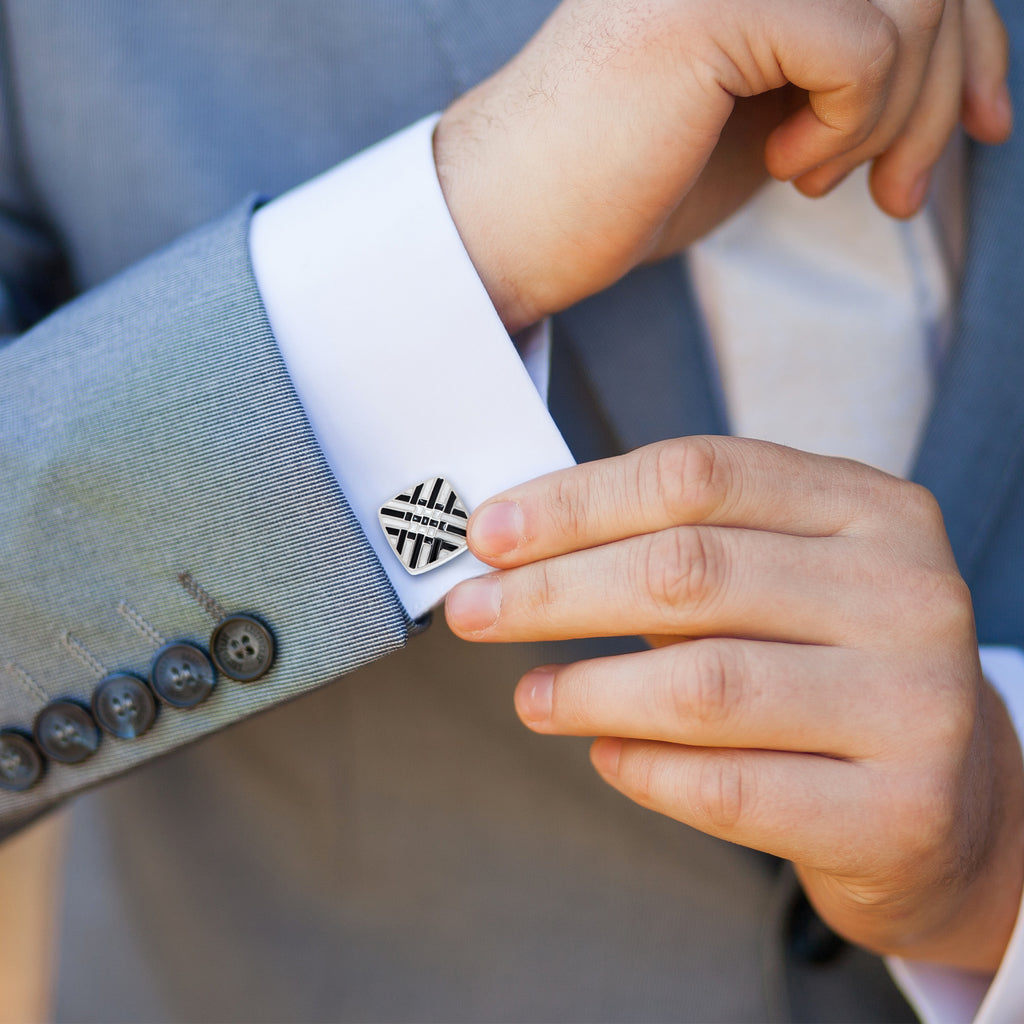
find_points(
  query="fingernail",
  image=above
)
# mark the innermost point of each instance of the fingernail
(919, 191)
(606, 754)
(497, 529)
(533, 695)
(474, 605)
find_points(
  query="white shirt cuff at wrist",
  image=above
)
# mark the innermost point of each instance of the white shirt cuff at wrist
(399, 359)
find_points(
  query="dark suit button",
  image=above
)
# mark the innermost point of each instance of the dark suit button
(242, 648)
(182, 675)
(66, 732)
(124, 706)
(21, 764)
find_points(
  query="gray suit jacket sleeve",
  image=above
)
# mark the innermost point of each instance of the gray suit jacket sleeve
(149, 430)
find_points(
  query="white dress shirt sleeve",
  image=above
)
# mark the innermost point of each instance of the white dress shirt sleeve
(397, 355)
(941, 995)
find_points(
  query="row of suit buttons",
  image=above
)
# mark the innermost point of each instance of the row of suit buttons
(124, 705)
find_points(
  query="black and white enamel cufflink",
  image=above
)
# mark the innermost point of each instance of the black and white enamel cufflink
(425, 525)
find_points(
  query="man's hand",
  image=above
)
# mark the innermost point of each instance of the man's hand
(596, 147)
(827, 705)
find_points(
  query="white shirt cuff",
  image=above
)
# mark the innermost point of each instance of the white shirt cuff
(399, 359)
(943, 995)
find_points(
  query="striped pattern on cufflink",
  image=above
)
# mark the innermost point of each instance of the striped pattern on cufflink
(425, 525)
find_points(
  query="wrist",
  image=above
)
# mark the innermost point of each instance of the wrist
(991, 902)
(976, 929)
(478, 200)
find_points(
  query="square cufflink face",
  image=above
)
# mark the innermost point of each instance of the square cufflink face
(425, 525)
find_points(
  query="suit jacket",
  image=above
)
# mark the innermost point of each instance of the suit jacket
(393, 846)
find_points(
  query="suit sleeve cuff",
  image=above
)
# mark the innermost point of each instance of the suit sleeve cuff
(946, 996)
(401, 363)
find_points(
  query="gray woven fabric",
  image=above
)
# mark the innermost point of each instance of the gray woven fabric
(394, 846)
(176, 445)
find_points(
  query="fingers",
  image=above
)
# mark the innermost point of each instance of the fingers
(690, 581)
(845, 55)
(896, 44)
(966, 80)
(901, 176)
(951, 65)
(797, 806)
(694, 480)
(720, 693)
(915, 26)
(987, 113)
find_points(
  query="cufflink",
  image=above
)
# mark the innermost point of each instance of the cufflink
(425, 525)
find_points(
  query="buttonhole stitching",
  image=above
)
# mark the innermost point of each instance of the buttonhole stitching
(26, 682)
(78, 651)
(201, 596)
(139, 624)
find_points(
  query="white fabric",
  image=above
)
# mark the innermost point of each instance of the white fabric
(826, 318)
(406, 372)
(401, 363)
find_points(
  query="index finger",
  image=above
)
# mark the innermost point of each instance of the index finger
(723, 481)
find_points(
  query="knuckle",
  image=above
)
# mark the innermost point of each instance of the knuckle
(541, 596)
(938, 720)
(883, 46)
(953, 724)
(570, 706)
(688, 475)
(643, 775)
(701, 473)
(928, 814)
(678, 570)
(949, 710)
(922, 508)
(954, 611)
(940, 603)
(926, 15)
(880, 49)
(703, 690)
(725, 790)
(567, 506)
(665, 469)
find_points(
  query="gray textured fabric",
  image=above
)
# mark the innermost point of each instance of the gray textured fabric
(150, 460)
(393, 846)
(397, 847)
